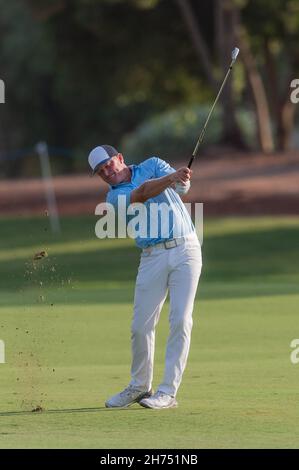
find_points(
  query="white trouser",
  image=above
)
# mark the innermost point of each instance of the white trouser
(177, 270)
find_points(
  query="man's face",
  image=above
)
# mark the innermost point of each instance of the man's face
(114, 171)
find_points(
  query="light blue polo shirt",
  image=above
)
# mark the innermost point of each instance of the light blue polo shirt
(179, 222)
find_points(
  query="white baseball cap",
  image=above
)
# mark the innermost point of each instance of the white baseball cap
(100, 155)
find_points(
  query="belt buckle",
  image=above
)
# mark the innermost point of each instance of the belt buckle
(170, 244)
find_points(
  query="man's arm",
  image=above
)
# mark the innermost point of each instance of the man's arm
(156, 186)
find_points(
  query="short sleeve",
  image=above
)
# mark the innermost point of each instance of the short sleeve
(162, 168)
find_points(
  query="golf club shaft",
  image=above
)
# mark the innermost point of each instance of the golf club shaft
(198, 143)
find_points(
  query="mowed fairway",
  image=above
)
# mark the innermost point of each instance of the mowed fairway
(65, 321)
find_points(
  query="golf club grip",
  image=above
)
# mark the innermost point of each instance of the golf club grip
(191, 161)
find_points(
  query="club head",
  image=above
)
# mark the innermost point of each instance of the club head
(235, 53)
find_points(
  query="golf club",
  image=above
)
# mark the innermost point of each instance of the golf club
(235, 53)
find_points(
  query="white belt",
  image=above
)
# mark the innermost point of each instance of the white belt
(165, 245)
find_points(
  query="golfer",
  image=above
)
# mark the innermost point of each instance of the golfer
(168, 263)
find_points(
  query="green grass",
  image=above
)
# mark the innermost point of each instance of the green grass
(66, 319)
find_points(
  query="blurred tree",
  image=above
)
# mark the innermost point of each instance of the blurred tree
(268, 34)
(80, 72)
(107, 71)
(224, 27)
(271, 32)
(27, 59)
(226, 41)
(258, 92)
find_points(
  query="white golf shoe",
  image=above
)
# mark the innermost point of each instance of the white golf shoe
(127, 397)
(158, 401)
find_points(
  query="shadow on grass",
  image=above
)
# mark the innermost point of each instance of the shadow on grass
(68, 410)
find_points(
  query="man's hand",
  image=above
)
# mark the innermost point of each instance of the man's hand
(152, 188)
(182, 175)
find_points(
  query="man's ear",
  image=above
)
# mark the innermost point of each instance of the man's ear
(120, 157)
